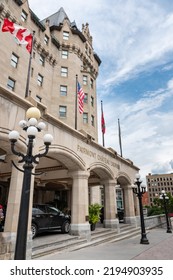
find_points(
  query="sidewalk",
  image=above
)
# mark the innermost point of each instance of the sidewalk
(160, 248)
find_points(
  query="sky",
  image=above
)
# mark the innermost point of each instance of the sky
(134, 40)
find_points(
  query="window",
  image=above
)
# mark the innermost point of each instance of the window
(86, 98)
(63, 90)
(85, 117)
(64, 71)
(91, 83)
(64, 54)
(85, 80)
(23, 15)
(62, 111)
(32, 71)
(92, 120)
(92, 101)
(119, 199)
(40, 80)
(38, 98)
(11, 84)
(42, 60)
(46, 40)
(14, 60)
(65, 35)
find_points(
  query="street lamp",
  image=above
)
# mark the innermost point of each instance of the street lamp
(139, 190)
(165, 198)
(32, 127)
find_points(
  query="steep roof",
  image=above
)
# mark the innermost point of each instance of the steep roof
(56, 22)
(57, 18)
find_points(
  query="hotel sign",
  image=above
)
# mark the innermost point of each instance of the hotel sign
(96, 156)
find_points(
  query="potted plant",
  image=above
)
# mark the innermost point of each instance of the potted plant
(94, 214)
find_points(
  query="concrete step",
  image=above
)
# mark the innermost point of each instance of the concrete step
(113, 236)
(73, 243)
(55, 247)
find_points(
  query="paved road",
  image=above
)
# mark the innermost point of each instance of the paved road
(160, 248)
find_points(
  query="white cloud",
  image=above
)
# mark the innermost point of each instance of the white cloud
(146, 130)
(137, 35)
(131, 37)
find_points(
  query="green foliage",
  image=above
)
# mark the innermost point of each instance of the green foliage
(155, 210)
(158, 207)
(94, 213)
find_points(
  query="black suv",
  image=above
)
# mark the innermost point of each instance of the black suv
(46, 217)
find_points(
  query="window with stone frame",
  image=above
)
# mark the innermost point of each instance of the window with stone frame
(86, 98)
(85, 118)
(14, 60)
(11, 83)
(40, 80)
(65, 35)
(85, 80)
(42, 60)
(63, 90)
(64, 71)
(62, 111)
(24, 16)
(64, 54)
(46, 40)
(92, 120)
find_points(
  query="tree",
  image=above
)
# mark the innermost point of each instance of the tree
(158, 207)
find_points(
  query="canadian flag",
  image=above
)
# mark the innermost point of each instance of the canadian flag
(22, 35)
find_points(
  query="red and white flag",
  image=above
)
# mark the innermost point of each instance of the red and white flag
(81, 96)
(103, 123)
(22, 35)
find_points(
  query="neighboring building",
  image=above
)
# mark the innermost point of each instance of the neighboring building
(158, 182)
(145, 199)
(77, 170)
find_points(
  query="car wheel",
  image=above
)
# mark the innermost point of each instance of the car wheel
(34, 230)
(65, 227)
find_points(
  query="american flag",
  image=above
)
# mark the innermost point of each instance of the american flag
(81, 96)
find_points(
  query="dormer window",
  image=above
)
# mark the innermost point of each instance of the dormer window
(65, 35)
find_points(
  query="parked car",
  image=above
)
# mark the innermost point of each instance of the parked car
(46, 217)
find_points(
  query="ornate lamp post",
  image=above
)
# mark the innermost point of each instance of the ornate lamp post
(139, 190)
(32, 127)
(165, 198)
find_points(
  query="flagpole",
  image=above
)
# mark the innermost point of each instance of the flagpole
(29, 68)
(103, 138)
(76, 103)
(119, 131)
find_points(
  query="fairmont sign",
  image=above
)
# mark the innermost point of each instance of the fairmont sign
(96, 156)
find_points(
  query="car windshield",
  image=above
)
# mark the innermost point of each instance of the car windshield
(54, 210)
(36, 211)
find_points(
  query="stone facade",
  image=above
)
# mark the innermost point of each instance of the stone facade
(76, 166)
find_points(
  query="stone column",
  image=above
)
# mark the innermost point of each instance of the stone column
(129, 216)
(136, 209)
(110, 207)
(8, 238)
(95, 195)
(12, 214)
(13, 205)
(79, 212)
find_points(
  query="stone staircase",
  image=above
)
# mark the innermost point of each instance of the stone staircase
(46, 245)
